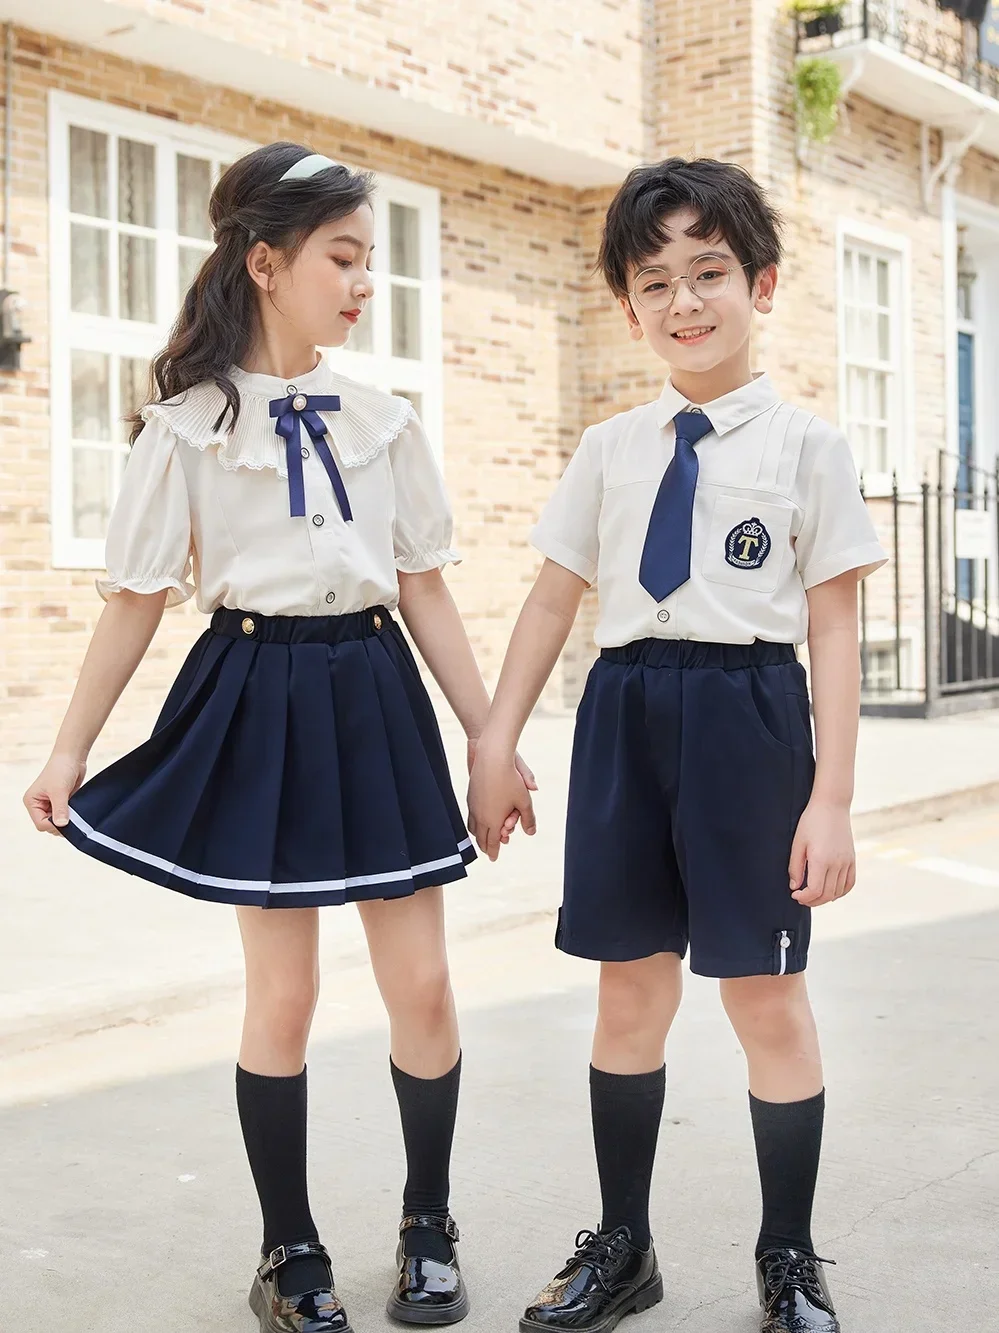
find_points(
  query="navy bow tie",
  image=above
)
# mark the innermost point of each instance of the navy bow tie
(665, 564)
(291, 412)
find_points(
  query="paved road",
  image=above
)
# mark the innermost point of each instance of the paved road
(121, 1169)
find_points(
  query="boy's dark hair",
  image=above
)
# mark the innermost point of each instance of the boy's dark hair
(218, 320)
(729, 204)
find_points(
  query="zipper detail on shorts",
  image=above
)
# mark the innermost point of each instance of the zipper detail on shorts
(782, 942)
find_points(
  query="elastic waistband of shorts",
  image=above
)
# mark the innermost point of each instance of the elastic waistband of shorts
(687, 653)
(302, 629)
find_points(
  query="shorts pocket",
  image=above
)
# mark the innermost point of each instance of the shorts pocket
(748, 542)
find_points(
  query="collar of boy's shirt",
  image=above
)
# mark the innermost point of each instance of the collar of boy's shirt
(725, 413)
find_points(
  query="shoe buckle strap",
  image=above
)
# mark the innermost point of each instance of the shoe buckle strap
(283, 1253)
(445, 1225)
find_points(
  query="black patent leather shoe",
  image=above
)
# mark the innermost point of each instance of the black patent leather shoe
(312, 1312)
(428, 1291)
(605, 1279)
(793, 1293)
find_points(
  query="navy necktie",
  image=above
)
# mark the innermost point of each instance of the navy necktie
(665, 564)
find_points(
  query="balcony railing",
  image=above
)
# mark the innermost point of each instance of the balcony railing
(915, 28)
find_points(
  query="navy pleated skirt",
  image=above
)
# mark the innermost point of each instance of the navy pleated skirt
(297, 762)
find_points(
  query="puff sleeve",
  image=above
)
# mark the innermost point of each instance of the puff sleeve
(149, 536)
(423, 525)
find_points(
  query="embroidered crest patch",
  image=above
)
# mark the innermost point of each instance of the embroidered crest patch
(747, 545)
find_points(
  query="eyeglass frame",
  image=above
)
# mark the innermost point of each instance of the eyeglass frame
(683, 277)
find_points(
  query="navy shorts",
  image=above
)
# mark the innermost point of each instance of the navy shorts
(691, 766)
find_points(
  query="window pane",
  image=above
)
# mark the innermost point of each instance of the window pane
(189, 260)
(136, 183)
(133, 386)
(866, 340)
(137, 278)
(883, 297)
(864, 276)
(194, 188)
(404, 247)
(851, 331)
(884, 338)
(415, 398)
(88, 270)
(406, 322)
(879, 436)
(91, 383)
(92, 480)
(88, 172)
(362, 337)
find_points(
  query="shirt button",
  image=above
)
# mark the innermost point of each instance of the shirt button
(318, 520)
(305, 452)
(248, 626)
(299, 402)
(377, 622)
(663, 616)
(331, 597)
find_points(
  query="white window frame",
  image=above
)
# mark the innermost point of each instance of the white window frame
(896, 249)
(69, 330)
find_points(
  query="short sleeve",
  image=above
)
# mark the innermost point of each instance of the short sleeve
(149, 536)
(568, 529)
(837, 533)
(424, 525)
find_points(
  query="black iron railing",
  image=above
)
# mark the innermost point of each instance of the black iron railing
(916, 28)
(930, 630)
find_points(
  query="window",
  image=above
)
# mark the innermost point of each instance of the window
(872, 358)
(129, 230)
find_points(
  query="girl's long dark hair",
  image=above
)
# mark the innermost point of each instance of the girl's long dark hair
(217, 323)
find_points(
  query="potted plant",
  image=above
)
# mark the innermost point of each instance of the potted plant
(818, 85)
(820, 18)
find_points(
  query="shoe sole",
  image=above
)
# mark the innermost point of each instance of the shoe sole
(412, 1314)
(258, 1304)
(643, 1299)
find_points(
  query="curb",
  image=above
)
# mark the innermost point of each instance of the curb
(925, 810)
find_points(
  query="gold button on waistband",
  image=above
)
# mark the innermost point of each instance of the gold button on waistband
(378, 622)
(248, 626)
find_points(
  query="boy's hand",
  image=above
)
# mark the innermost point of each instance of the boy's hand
(823, 846)
(499, 794)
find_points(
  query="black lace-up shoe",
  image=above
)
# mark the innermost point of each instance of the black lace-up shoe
(793, 1293)
(605, 1279)
(428, 1291)
(312, 1312)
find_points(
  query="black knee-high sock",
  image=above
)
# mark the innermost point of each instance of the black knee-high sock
(273, 1113)
(788, 1144)
(428, 1108)
(626, 1111)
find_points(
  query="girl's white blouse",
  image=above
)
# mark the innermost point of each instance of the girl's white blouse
(203, 510)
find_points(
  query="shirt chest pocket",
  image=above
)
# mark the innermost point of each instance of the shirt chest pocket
(748, 543)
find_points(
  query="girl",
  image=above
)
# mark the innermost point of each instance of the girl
(297, 760)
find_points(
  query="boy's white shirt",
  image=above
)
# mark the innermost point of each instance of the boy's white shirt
(765, 460)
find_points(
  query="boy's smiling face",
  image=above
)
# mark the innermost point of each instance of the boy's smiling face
(704, 338)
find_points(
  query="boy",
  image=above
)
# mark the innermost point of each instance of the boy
(723, 527)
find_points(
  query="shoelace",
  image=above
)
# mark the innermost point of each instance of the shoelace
(797, 1270)
(597, 1251)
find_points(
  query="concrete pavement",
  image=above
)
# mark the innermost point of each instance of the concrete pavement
(84, 946)
(121, 1168)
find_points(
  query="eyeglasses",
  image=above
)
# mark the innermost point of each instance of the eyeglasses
(708, 279)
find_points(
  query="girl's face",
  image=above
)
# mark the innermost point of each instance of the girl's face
(319, 296)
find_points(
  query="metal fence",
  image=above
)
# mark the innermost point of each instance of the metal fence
(930, 631)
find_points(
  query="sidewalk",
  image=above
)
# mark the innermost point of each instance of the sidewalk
(86, 947)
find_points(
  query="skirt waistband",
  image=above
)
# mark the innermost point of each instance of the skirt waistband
(686, 653)
(302, 629)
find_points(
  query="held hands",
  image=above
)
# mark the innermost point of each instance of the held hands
(499, 795)
(47, 799)
(823, 843)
